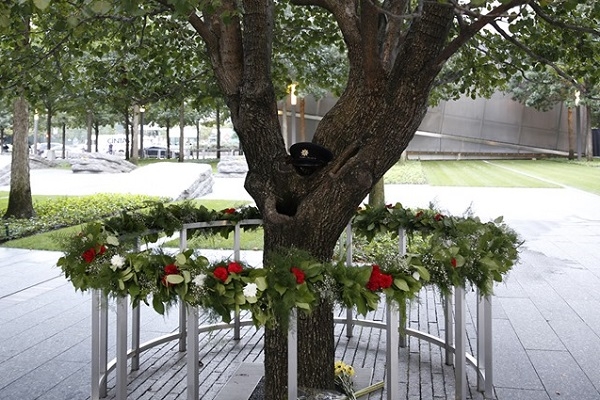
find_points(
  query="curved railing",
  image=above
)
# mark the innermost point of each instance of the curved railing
(454, 341)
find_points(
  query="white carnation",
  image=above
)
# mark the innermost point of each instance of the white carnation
(116, 262)
(199, 280)
(250, 290)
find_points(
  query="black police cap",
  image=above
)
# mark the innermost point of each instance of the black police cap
(307, 154)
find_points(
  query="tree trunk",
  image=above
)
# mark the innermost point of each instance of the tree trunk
(571, 133)
(64, 140)
(589, 145)
(126, 134)
(90, 119)
(377, 195)
(181, 131)
(168, 130)
(367, 130)
(20, 204)
(96, 135)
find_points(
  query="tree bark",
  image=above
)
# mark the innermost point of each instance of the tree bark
(367, 130)
(377, 195)
(571, 133)
(589, 145)
(20, 204)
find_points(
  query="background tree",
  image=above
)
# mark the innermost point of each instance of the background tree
(395, 50)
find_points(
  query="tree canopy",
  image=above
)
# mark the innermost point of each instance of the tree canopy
(384, 58)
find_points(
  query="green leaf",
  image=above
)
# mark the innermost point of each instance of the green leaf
(280, 289)
(423, 272)
(112, 240)
(41, 4)
(100, 7)
(240, 298)
(174, 279)
(304, 306)
(261, 283)
(158, 305)
(401, 284)
(180, 259)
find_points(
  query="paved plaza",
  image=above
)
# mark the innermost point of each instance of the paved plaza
(546, 321)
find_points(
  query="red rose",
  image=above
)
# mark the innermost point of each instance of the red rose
(299, 274)
(378, 280)
(221, 273)
(102, 250)
(439, 217)
(234, 268)
(453, 262)
(89, 255)
(171, 269)
(419, 214)
(229, 211)
(372, 285)
(385, 281)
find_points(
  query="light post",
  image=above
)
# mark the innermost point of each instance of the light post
(293, 104)
(142, 111)
(36, 118)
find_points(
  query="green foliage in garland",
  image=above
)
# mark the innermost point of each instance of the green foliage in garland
(451, 251)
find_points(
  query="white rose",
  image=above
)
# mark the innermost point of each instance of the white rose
(199, 280)
(116, 262)
(416, 275)
(250, 290)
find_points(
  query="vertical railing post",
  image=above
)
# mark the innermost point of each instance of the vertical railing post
(448, 329)
(121, 355)
(349, 311)
(293, 355)
(192, 355)
(392, 341)
(182, 307)
(488, 347)
(481, 334)
(402, 253)
(96, 316)
(103, 344)
(460, 367)
(236, 255)
(135, 338)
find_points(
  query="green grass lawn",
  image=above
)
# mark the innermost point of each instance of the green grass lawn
(584, 176)
(478, 173)
(496, 173)
(48, 240)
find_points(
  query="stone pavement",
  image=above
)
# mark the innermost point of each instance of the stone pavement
(546, 324)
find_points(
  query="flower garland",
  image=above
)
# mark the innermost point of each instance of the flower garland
(455, 251)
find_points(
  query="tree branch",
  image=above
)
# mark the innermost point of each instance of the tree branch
(471, 30)
(538, 10)
(536, 56)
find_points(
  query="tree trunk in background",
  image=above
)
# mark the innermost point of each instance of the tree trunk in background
(96, 134)
(181, 132)
(377, 194)
(571, 133)
(127, 134)
(218, 117)
(90, 119)
(20, 204)
(64, 140)
(589, 145)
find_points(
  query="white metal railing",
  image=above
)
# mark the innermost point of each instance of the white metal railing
(454, 341)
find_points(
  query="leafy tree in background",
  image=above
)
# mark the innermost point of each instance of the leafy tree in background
(396, 51)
